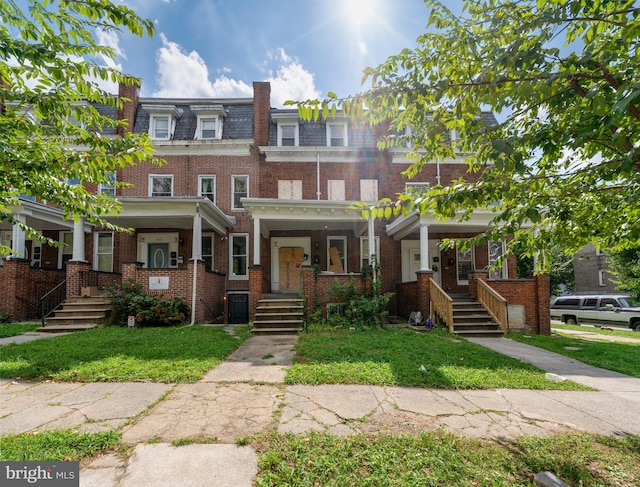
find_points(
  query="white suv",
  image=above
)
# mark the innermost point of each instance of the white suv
(606, 308)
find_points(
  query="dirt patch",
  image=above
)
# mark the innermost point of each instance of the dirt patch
(397, 423)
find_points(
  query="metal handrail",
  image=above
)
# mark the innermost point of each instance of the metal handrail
(53, 296)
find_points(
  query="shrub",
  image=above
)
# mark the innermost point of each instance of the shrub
(149, 310)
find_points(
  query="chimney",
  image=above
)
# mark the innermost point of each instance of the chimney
(261, 111)
(128, 92)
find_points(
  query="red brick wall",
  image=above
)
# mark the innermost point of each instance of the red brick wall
(407, 298)
(316, 288)
(128, 111)
(521, 292)
(261, 112)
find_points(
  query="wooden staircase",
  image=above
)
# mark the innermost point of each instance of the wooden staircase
(279, 316)
(471, 319)
(78, 313)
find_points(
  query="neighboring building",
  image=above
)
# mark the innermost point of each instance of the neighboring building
(259, 198)
(591, 271)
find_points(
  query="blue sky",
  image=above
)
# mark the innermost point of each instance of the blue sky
(305, 48)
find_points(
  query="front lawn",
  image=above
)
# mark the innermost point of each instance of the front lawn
(121, 354)
(613, 331)
(620, 357)
(401, 357)
(14, 329)
(439, 459)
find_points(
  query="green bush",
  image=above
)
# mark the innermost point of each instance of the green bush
(149, 310)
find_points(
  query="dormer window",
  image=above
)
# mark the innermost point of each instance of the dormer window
(209, 125)
(288, 135)
(162, 120)
(160, 127)
(337, 134)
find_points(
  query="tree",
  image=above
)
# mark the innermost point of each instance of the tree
(562, 75)
(50, 130)
(625, 265)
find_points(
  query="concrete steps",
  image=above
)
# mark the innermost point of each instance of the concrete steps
(279, 316)
(77, 314)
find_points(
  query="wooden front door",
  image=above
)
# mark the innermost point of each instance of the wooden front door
(290, 262)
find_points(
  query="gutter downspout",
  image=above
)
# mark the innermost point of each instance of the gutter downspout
(318, 175)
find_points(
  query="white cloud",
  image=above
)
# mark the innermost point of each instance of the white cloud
(186, 75)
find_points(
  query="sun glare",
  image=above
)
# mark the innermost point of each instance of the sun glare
(360, 11)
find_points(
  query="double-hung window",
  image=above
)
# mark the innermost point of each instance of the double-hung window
(104, 252)
(162, 120)
(337, 134)
(108, 188)
(239, 258)
(240, 189)
(160, 185)
(288, 135)
(207, 187)
(160, 127)
(207, 251)
(209, 124)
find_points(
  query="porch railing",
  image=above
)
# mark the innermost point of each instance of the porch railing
(442, 304)
(52, 299)
(495, 304)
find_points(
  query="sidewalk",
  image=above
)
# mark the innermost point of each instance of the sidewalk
(246, 395)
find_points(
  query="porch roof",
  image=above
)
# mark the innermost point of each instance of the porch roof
(41, 217)
(479, 221)
(171, 212)
(310, 215)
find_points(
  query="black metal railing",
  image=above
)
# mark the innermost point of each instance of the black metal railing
(50, 301)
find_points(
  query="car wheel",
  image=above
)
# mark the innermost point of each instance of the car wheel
(637, 326)
(570, 320)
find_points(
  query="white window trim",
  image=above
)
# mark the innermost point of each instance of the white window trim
(233, 192)
(463, 282)
(345, 133)
(601, 279)
(64, 250)
(346, 250)
(503, 268)
(150, 184)
(162, 111)
(144, 239)
(296, 132)
(233, 277)
(96, 239)
(376, 240)
(215, 182)
(152, 126)
(199, 127)
(109, 189)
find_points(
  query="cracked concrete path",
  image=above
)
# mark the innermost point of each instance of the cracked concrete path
(27, 406)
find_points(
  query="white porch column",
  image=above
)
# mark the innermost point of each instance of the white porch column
(18, 248)
(424, 247)
(196, 241)
(256, 241)
(78, 241)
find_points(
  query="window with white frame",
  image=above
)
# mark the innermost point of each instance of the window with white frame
(208, 128)
(288, 135)
(207, 187)
(601, 280)
(464, 265)
(369, 189)
(160, 185)
(108, 188)
(364, 251)
(337, 134)
(159, 126)
(290, 189)
(240, 189)
(207, 251)
(337, 254)
(416, 189)
(239, 258)
(103, 260)
(496, 253)
(336, 190)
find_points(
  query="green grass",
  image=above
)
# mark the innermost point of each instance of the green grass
(14, 329)
(617, 356)
(51, 446)
(437, 459)
(619, 332)
(121, 354)
(401, 357)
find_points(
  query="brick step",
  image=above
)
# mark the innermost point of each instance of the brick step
(72, 320)
(278, 323)
(96, 313)
(277, 316)
(276, 331)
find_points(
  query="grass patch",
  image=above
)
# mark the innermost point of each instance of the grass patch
(52, 446)
(121, 354)
(15, 329)
(619, 332)
(617, 356)
(404, 358)
(435, 459)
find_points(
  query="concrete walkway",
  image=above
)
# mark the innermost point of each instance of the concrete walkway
(246, 395)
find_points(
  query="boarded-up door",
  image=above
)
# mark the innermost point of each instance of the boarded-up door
(290, 261)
